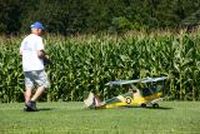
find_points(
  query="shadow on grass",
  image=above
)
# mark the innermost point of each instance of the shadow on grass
(38, 110)
(160, 108)
(45, 109)
(149, 107)
(132, 107)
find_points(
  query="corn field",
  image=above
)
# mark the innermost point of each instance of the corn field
(86, 63)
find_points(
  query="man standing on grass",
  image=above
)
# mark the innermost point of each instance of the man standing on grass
(33, 57)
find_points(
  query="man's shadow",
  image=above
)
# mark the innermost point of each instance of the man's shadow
(45, 109)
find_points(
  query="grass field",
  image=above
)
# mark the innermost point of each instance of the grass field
(72, 118)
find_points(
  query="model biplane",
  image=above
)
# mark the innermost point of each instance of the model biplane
(149, 93)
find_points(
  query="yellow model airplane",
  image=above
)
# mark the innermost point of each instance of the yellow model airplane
(149, 95)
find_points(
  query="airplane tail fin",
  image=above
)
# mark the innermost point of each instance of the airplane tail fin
(92, 101)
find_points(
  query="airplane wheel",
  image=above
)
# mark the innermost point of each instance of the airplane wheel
(128, 100)
(155, 105)
(143, 105)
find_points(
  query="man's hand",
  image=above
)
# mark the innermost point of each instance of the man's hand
(44, 56)
(46, 60)
(41, 54)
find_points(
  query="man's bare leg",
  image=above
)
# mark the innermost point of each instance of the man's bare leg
(38, 93)
(30, 106)
(30, 103)
(27, 95)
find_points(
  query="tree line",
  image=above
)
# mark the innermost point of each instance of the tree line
(83, 16)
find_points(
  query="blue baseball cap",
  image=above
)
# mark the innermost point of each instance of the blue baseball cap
(37, 25)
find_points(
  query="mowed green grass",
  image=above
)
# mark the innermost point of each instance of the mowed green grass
(73, 118)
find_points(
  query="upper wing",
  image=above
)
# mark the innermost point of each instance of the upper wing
(145, 80)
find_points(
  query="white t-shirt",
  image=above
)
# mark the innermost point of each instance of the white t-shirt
(29, 48)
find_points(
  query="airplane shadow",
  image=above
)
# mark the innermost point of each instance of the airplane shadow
(159, 108)
(153, 108)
